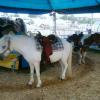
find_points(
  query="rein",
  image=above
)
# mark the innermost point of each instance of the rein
(8, 48)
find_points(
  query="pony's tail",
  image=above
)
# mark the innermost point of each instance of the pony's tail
(70, 63)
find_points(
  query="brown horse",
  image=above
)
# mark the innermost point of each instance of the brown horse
(82, 43)
(93, 38)
(76, 39)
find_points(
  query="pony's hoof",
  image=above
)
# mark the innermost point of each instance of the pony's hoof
(83, 62)
(38, 85)
(79, 63)
(29, 85)
(62, 78)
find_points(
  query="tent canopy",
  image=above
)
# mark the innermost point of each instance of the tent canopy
(44, 6)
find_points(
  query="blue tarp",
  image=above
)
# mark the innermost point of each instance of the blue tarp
(93, 9)
(45, 6)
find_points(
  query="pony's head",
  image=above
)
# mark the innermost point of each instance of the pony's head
(76, 39)
(4, 45)
(94, 38)
(7, 25)
(3, 21)
(80, 35)
(8, 28)
(20, 25)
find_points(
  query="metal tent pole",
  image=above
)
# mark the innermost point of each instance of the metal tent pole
(54, 23)
(92, 21)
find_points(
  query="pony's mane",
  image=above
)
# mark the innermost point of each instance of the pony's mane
(9, 28)
(76, 38)
(94, 38)
(7, 25)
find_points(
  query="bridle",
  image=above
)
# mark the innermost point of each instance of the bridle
(4, 23)
(8, 47)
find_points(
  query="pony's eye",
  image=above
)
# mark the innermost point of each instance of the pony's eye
(3, 47)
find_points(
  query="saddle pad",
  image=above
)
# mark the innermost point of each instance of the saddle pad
(55, 46)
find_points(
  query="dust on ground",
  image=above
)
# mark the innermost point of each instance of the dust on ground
(85, 84)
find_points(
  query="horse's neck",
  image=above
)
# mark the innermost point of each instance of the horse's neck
(84, 38)
(14, 39)
(20, 42)
(88, 41)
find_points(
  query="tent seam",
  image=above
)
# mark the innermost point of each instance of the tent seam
(97, 2)
(50, 5)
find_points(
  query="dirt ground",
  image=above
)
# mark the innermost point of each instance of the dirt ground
(85, 84)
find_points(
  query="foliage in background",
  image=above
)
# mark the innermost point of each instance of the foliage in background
(81, 20)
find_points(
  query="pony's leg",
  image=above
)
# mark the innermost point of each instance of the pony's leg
(37, 68)
(64, 68)
(79, 57)
(31, 74)
(69, 70)
(83, 57)
(66, 64)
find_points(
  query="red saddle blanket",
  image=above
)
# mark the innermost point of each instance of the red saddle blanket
(48, 45)
(47, 49)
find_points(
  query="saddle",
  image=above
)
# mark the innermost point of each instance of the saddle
(46, 43)
(52, 38)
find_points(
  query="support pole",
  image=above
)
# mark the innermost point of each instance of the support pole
(91, 21)
(54, 22)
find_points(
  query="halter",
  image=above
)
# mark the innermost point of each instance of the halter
(5, 23)
(8, 48)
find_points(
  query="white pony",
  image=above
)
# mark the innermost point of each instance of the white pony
(26, 46)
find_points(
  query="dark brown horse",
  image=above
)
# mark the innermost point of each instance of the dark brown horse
(76, 39)
(82, 43)
(92, 39)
